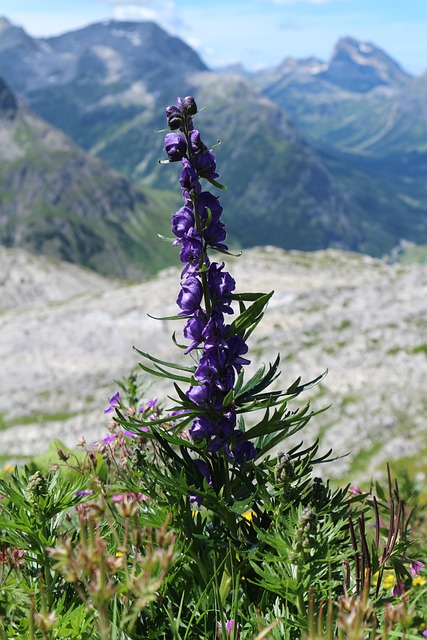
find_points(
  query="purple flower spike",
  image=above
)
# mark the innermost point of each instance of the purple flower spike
(198, 226)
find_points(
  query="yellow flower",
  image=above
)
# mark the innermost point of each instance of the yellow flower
(388, 579)
(8, 468)
(249, 515)
(418, 581)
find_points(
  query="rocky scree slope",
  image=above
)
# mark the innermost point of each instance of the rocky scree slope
(359, 317)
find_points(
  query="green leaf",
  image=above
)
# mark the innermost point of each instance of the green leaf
(259, 381)
(216, 184)
(167, 317)
(171, 365)
(247, 297)
(161, 373)
(296, 388)
(250, 317)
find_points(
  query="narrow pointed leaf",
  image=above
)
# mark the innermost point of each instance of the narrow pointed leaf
(171, 365)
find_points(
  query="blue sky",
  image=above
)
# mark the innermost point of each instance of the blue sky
(258, 33)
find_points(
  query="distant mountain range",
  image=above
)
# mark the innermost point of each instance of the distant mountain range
(314, 154)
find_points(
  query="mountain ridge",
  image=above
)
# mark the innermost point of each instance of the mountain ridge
(57, 200)
(306, 159)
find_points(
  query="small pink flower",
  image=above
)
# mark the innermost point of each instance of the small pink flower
(354, 490)
(229, 626)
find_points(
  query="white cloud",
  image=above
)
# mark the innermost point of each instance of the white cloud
(163, 12)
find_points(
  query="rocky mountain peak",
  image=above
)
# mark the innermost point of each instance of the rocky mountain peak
(12, 36)
(361, 66)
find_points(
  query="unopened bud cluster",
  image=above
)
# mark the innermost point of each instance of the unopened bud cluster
(305, 535)
(284, 467)
(36, 485)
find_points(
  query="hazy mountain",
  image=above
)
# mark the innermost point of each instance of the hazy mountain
(367, 119)
(361, 66)
(57, 200)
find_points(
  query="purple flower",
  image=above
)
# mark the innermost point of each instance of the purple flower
(192, 247)
(174, 117)
(415, 567)
(355, 490)
(150, 404)
(175, 146)
(204, 469)
(425, 633)
(214, 331)
(398, 589)
(188, 179)
(202, 429)
(114, 402)
(196, 145)
(205, 164)
(236, 347)
(208, 370)
(244, 451)
(193, 330)
(190, 296)
(131, 434)
(199, 394)
(203, 160)
(84, 493)
(221, 285)
(188, 105)
(183, 221)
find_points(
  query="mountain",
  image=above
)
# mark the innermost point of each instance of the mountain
(367, 120)
(315, 154)
(361, 66)
(57, 200)
(108, 92)
(359, 317)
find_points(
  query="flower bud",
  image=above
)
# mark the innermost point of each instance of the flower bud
(174, 117)
(189, 106)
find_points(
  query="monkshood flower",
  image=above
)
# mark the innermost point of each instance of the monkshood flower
(206, 288)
